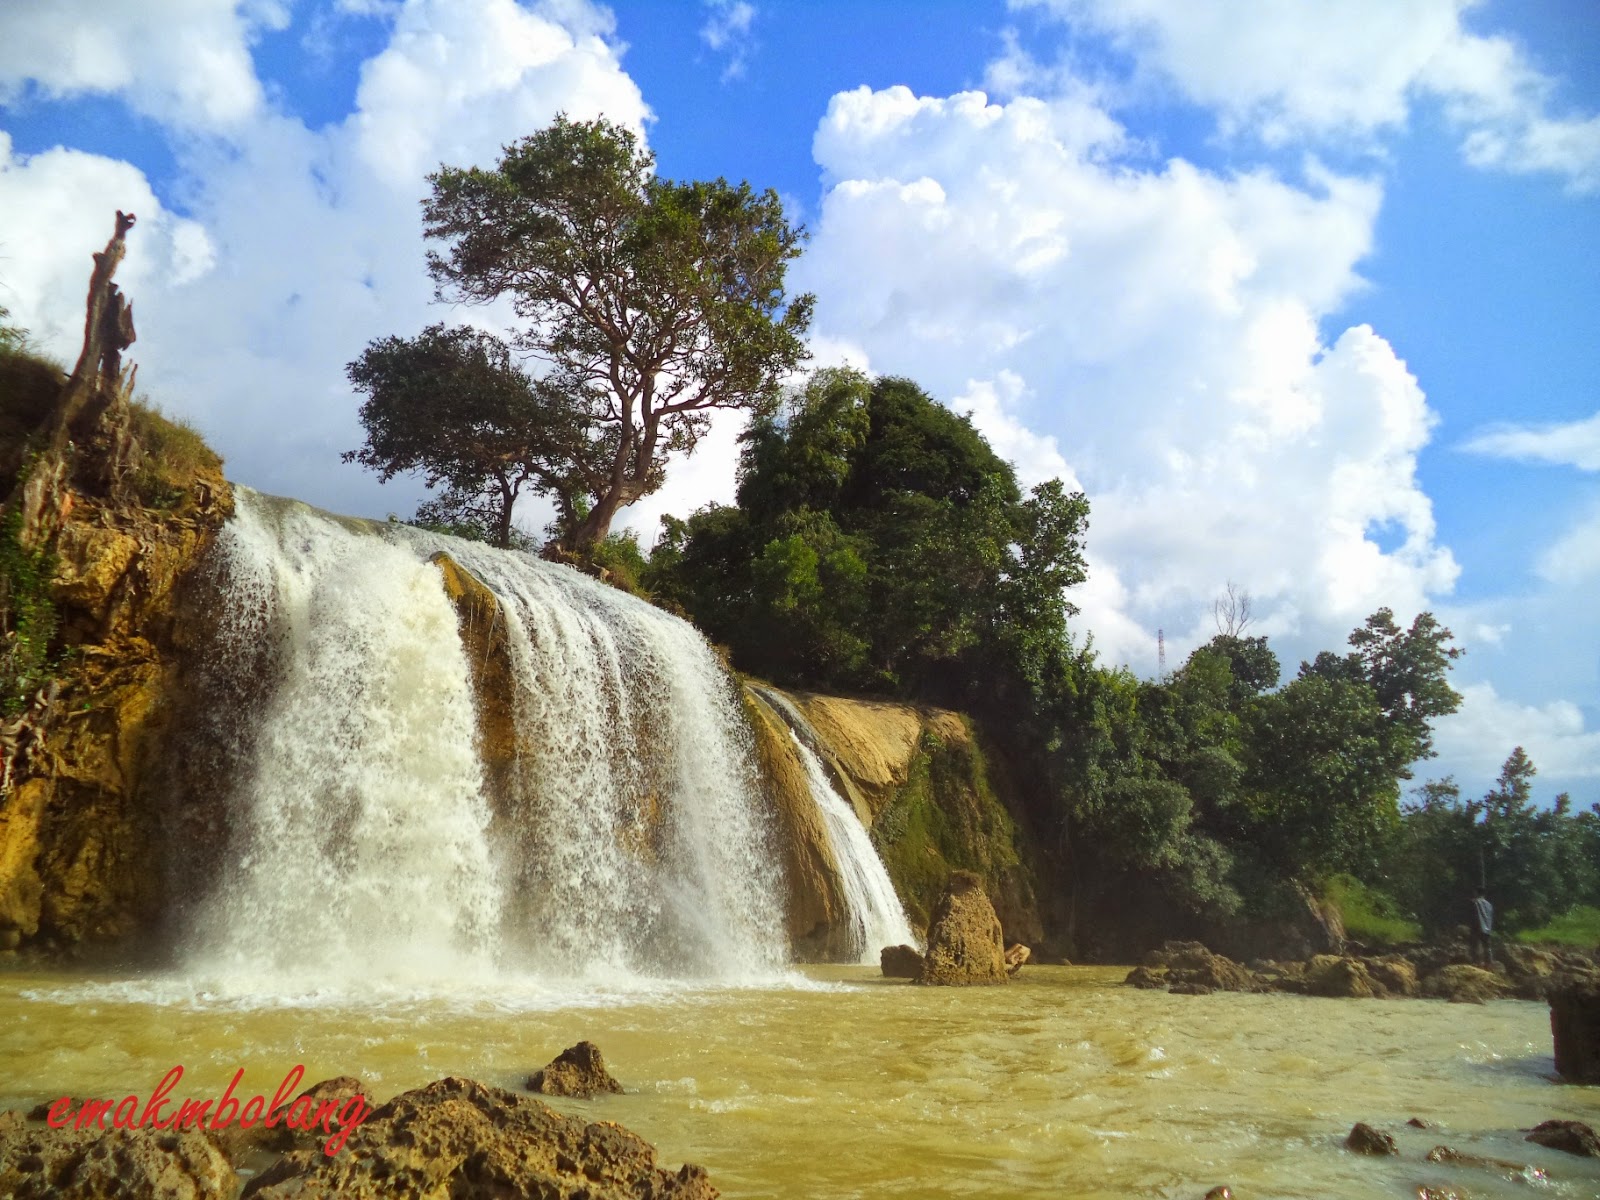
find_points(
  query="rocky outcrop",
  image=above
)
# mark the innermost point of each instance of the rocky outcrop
(964, 941)
(37, 1162)
(1464, 984)
(488, 651)
(461, 1140)
(1189, 968)
(578, 1071)
(900, 962)
(121, 505)
(1016, 956)
(1575, 1028)
(919, 781)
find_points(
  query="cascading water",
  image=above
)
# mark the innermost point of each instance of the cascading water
(632, 843)
(877, 918)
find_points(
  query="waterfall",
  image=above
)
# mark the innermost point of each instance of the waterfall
(877, 918)
(630, 845)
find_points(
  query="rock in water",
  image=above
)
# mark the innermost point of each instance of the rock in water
(578, 1071)
(964, 939)
(1364, 1139)
(37, 1162)
(1464, 984)
(1575, 1026)
(460, 1140)
(1572, 1136)
(900, 962)
(1015, 957)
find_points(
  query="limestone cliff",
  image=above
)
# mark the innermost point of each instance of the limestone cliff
(110, 509)
(919, 780)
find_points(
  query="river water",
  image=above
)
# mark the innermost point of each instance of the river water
(831, 1082)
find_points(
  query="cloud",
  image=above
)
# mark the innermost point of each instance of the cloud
(1154, 332)
(1476, 740)
(728, 28)
(1574, 557)
(1349, 71)
(186, 62)
(300, 246)
(1573, 444)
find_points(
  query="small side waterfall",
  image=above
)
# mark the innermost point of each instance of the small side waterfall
(632, 844)
(877, 918)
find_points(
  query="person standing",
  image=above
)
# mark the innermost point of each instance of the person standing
(1482, 926)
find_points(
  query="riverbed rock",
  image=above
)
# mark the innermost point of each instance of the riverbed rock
(457, 1139)
(1147, 978)
(1220, 1193)
(1191, 967)
(578, 1071)
(1364, 1139)
(237, 1143)
(900, 962)
(1394, 974)
(1504, 1166)
(1574, 1137)
(964, 941)
(1575, 1028)
(1461, 983)
(1015, 956)
(1330, 975)
(126, 1164)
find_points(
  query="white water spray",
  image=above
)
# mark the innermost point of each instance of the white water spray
(633, 846)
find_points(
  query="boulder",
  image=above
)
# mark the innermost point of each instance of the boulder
(900, 962)
(130, 1164)
(1148, 978)
(964, 939)
(1463, 984)
(1015, 956)
(238, 1143)
(1575, 1027)
(1329, 975)
(1191, 967)
(1220, 1193)
(462, 1140)
(1364, 1139)
(1574, 1137)
(1394, 974)
(578, 1071)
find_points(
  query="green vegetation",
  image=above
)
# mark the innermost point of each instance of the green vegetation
(1577, 927)
(28, 618)
(175, 456)
(1369, 916)
(650, 303)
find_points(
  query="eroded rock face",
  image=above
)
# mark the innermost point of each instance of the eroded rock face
(1575, 1028)
(494, 685)
(461, 1140)
(37, 1162)
(964, 943)
(578, 1071)
(1464, 984)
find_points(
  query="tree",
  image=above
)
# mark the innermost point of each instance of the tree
(651, 302)
(451, 406)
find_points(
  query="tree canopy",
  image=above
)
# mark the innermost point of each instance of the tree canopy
(649, 302)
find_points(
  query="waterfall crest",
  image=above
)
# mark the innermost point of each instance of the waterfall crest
(629, 842)
(877, 918)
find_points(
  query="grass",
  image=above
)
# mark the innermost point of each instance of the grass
(1579, 927)
(1369, 915)
(175, 456)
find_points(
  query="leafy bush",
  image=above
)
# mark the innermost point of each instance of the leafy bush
(1578, 927)
(27, 616)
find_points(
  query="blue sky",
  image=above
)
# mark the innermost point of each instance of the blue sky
(1303, 296)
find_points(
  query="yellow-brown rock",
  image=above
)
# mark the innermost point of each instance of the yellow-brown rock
(488, 650)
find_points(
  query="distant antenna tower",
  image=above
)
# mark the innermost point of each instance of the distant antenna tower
(1161, 656)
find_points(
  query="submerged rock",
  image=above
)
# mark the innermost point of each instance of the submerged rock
(462, 1140)
(965, 945)
(1364, 1139)
(1463, 984)
(1574, 1137)
(900, 962)
(128, 1164)
(1448, 1154)
(578, 1071)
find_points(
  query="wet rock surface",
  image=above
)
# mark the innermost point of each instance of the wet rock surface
(1364, 1139)
(965, 944)
(900, 962)
(578, 1071)
(1573, 1137)
(462, 1140)
(129, 1164)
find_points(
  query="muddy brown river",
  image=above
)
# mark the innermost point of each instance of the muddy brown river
(836, 1083)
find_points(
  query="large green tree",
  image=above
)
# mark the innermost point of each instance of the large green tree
(649, 302)
(454, 407)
